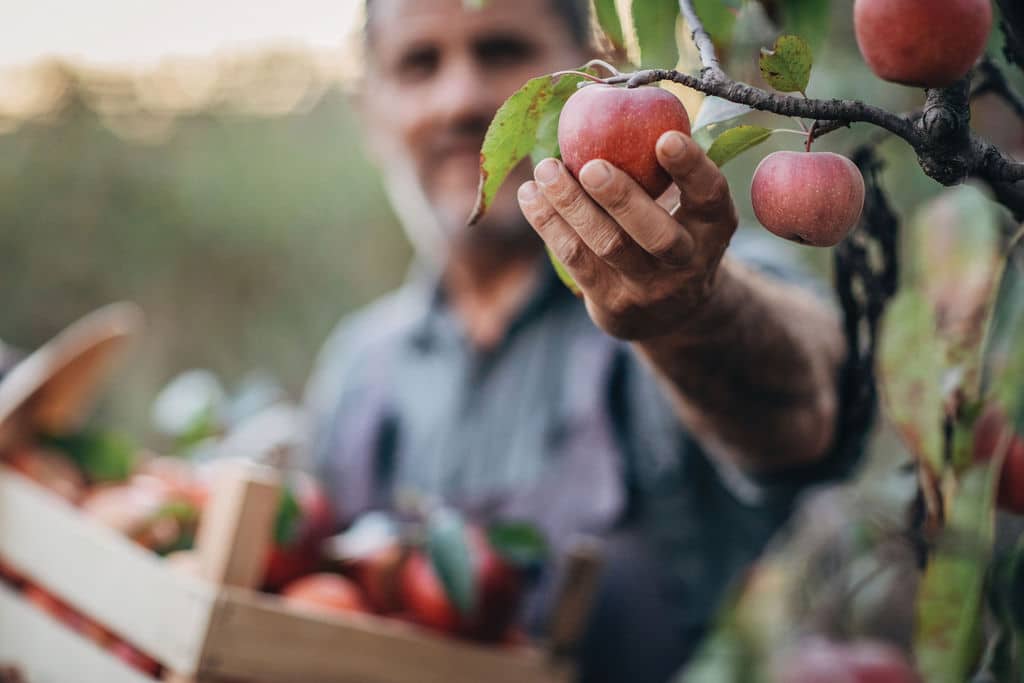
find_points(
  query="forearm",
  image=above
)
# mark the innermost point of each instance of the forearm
(754, 373)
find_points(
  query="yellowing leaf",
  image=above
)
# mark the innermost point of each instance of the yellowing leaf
(527, 123)
(912, 364)
(787, 66)
(608, 18)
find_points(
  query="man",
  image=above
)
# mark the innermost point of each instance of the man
(676, 410)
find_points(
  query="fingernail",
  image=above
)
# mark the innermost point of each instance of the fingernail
(673, 146)
(528, 192)
(595, 174)
(546, 172)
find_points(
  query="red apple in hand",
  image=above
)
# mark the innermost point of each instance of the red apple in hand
(621, 126)
(925, 43)
(812, 198)
(990, 431)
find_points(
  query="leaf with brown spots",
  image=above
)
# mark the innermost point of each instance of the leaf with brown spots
(526, 123)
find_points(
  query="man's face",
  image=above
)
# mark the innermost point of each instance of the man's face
(437, 73)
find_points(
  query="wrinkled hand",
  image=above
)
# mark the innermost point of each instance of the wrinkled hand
(644, 272)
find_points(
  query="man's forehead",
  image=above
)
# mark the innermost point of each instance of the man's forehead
(408, 19)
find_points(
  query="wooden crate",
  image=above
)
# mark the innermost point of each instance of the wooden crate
(214, 626)
(211, 626)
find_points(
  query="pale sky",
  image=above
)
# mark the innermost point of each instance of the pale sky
(141, 32)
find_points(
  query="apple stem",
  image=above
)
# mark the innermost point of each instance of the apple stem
(573, 72)
(604, 65)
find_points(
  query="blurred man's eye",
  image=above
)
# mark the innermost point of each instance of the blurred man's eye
(418, 63)
(502, 51)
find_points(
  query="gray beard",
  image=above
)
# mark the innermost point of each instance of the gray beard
(431, 232)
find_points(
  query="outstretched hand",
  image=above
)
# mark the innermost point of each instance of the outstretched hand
(643, 271)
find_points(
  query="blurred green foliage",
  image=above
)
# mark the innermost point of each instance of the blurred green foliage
(244, 237)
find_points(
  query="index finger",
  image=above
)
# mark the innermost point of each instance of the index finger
(703, 190)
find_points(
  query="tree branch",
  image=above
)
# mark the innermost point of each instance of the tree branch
(993, 80)
(947, 149)
(1013, 29)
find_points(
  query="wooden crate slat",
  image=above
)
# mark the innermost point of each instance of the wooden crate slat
(46, 651)
(256, 638)
(119, 584)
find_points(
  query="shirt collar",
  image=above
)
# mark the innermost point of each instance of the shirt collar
(438, 322)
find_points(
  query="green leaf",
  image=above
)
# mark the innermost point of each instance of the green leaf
(725, 656)
(511, 136)
(952, 591)
(911, 362)
(450, 555)
(715, 111)
(718, 18)
(1004, 346)
(562, 273)
(655, 23)
(102, 456)
(204, 425)
(787, 66)
(735, 141)
(546, 139)
(527, 123)
(608, 18)
(288, 521)
(808, 19)
(519, 543)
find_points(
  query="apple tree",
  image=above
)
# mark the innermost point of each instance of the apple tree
(914, 572)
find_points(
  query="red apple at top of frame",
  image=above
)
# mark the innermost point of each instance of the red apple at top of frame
(813, 198)
(621, 126)
(923, 43)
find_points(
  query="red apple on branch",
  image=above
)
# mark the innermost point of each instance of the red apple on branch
(924, 43)
(813, 198)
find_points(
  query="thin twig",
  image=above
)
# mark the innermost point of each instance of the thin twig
(993, 80)
(849, 111)
(701, 38)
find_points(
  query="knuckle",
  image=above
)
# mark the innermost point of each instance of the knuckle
(688, 162)
(668, 247)
(618, 198)
(717, 192)
(572, 252)
(543, 215)
(574, 205)
(612, 245)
